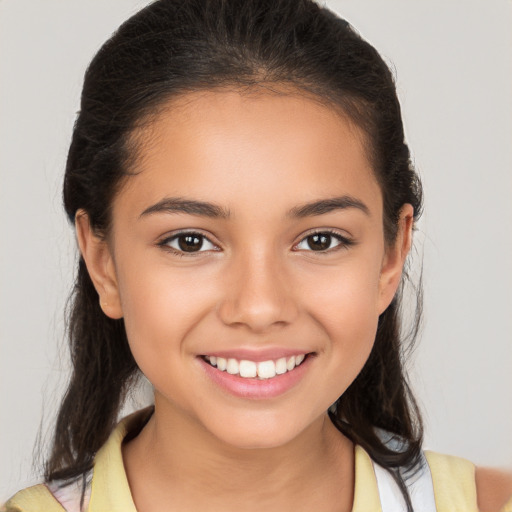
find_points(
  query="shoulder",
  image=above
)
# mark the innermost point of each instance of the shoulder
(453, 480)
(37, 498)
(494, 489)
(457, 481)
(60, 496)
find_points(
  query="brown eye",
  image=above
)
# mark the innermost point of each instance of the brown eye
(190, 243)
(319, 241)
(324, 241)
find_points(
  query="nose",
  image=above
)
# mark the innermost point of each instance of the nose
(257, 294)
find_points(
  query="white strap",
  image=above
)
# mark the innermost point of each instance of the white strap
(69, 496)
(420, 487)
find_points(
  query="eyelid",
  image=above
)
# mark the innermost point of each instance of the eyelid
(332, 231)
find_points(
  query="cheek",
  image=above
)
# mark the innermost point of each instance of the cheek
(346, 296)
(345, 305)
(160, 307)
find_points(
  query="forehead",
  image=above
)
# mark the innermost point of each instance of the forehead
(259, 149)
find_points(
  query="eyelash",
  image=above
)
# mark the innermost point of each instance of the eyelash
(344, 242)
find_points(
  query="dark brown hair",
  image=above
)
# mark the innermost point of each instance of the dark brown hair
(172, 47)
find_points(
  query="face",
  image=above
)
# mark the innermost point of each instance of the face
(248, 260)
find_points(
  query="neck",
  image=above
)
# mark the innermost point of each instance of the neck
(174, 460)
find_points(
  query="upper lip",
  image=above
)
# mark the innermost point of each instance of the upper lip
(257, 355)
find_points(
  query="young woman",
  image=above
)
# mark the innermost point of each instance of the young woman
(244, 204)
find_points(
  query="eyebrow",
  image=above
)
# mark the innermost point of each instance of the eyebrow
(324, 206)
(214, 211)
(188, 206)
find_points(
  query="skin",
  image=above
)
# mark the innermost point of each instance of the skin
(494, 489)
(256, 283)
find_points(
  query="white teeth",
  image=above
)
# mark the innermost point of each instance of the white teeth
(247, 368)
(250, 369)
(290, 364)
(281, 366)
(266, 369)
(232, 366)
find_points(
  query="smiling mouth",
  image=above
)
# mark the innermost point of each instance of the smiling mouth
(261, 370)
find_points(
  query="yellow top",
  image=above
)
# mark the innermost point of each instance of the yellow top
(453, 479)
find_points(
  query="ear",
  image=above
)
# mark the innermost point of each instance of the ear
(394, 258)
(100, 265)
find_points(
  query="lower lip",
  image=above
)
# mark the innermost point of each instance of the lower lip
(257, 388)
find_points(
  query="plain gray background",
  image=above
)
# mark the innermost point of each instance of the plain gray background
(454, 73)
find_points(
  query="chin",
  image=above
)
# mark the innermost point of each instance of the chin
(263, 432)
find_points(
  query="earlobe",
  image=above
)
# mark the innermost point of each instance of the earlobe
(394, 259)
(100, 265)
